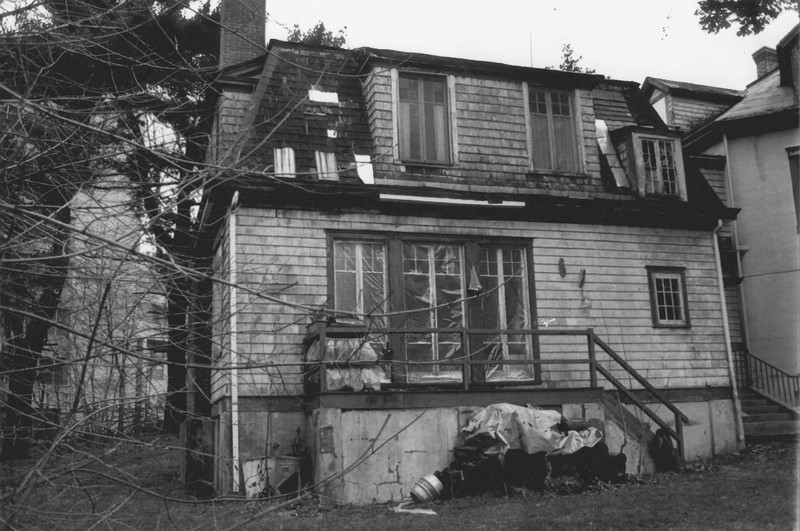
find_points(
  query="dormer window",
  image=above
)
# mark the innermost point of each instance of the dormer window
(660, 170)
(659, 166)
(554, 136)
(422, 119)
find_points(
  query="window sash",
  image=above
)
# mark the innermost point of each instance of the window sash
(660, 169)
(423, 120)
(553, 131)
(668, 298)
(431, 281)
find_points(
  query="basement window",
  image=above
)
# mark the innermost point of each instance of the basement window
(668, 297)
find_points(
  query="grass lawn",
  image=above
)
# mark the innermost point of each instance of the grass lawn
(754, 489)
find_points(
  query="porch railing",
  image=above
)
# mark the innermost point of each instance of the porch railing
(468, 362)
(768, 379)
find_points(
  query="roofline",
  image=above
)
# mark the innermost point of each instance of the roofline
(460, 66)
(712, 133)
(702, 92)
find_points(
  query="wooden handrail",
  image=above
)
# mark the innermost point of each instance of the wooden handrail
(467, 362)
(639, 378)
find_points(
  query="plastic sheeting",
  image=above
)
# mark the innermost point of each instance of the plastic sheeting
(530, 429)
(349, 350)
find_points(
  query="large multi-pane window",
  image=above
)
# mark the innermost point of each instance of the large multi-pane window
(554, 136)
(422, 122)
(660, 168)
(668, 297)
(449, 301)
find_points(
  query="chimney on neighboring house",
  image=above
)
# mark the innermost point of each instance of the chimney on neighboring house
(766, 60)
(242, 31)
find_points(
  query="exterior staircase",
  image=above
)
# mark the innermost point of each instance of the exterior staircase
(765, 418)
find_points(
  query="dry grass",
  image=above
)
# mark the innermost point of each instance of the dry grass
(755, 489)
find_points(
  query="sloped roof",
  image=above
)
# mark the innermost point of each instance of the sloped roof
(764, 96)
(691, 90)
(308, 126)
(621, 104)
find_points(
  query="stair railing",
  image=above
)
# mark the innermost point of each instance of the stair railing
(772, 381)
(680, 417)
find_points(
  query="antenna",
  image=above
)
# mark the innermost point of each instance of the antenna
(530, 43)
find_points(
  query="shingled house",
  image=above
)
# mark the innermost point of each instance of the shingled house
(404, 238)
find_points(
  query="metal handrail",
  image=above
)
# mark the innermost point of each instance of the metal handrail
(772, 381)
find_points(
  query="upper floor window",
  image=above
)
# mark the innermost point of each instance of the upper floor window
(423, 125)
(660, 170)
(668, 297)
(553, 131)
(660, 166)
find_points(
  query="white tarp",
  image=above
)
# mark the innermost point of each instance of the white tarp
(530, 429)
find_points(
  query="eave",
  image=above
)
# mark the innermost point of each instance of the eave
(479, 69)
(353, 197)
(712, 133)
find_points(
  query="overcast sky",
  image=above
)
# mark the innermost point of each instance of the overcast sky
(622, 39)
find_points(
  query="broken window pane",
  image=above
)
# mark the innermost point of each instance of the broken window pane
(434, 293)
(504, 305)
(360, 279)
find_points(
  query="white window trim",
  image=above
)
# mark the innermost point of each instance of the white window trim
(576, 124)
(452, 126)
(641, 185)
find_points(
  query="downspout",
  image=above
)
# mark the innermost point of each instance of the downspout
(737, 405)
(734, 226)
(234, 346)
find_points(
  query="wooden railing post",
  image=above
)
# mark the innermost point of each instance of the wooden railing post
(679, 431)
(592, 361)
(466, 368)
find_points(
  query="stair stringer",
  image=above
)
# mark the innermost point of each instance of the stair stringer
(626, 433)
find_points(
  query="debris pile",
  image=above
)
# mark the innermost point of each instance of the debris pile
(508, 448)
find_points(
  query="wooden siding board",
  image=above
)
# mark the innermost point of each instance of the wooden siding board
(615, 267)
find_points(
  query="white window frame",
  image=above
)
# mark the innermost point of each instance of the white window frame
(641, 178)
(450, 113)
(668, 273)
(576, 129)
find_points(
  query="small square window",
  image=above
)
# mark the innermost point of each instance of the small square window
(423, 126)
(668, 297)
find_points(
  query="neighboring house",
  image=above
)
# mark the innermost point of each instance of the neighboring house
(403, 238)
(119, 389)
(755, 141)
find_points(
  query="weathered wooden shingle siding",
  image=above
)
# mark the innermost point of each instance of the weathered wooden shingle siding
(220, 320)
(688, 114)
(231, 110)
(490, 132)
(284, 253)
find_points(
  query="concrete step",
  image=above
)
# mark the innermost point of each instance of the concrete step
(755, 403)
(770, 429)
(755, 410)
(766, 417)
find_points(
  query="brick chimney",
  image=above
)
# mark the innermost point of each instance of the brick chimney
(766, 60)
(242, 32)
